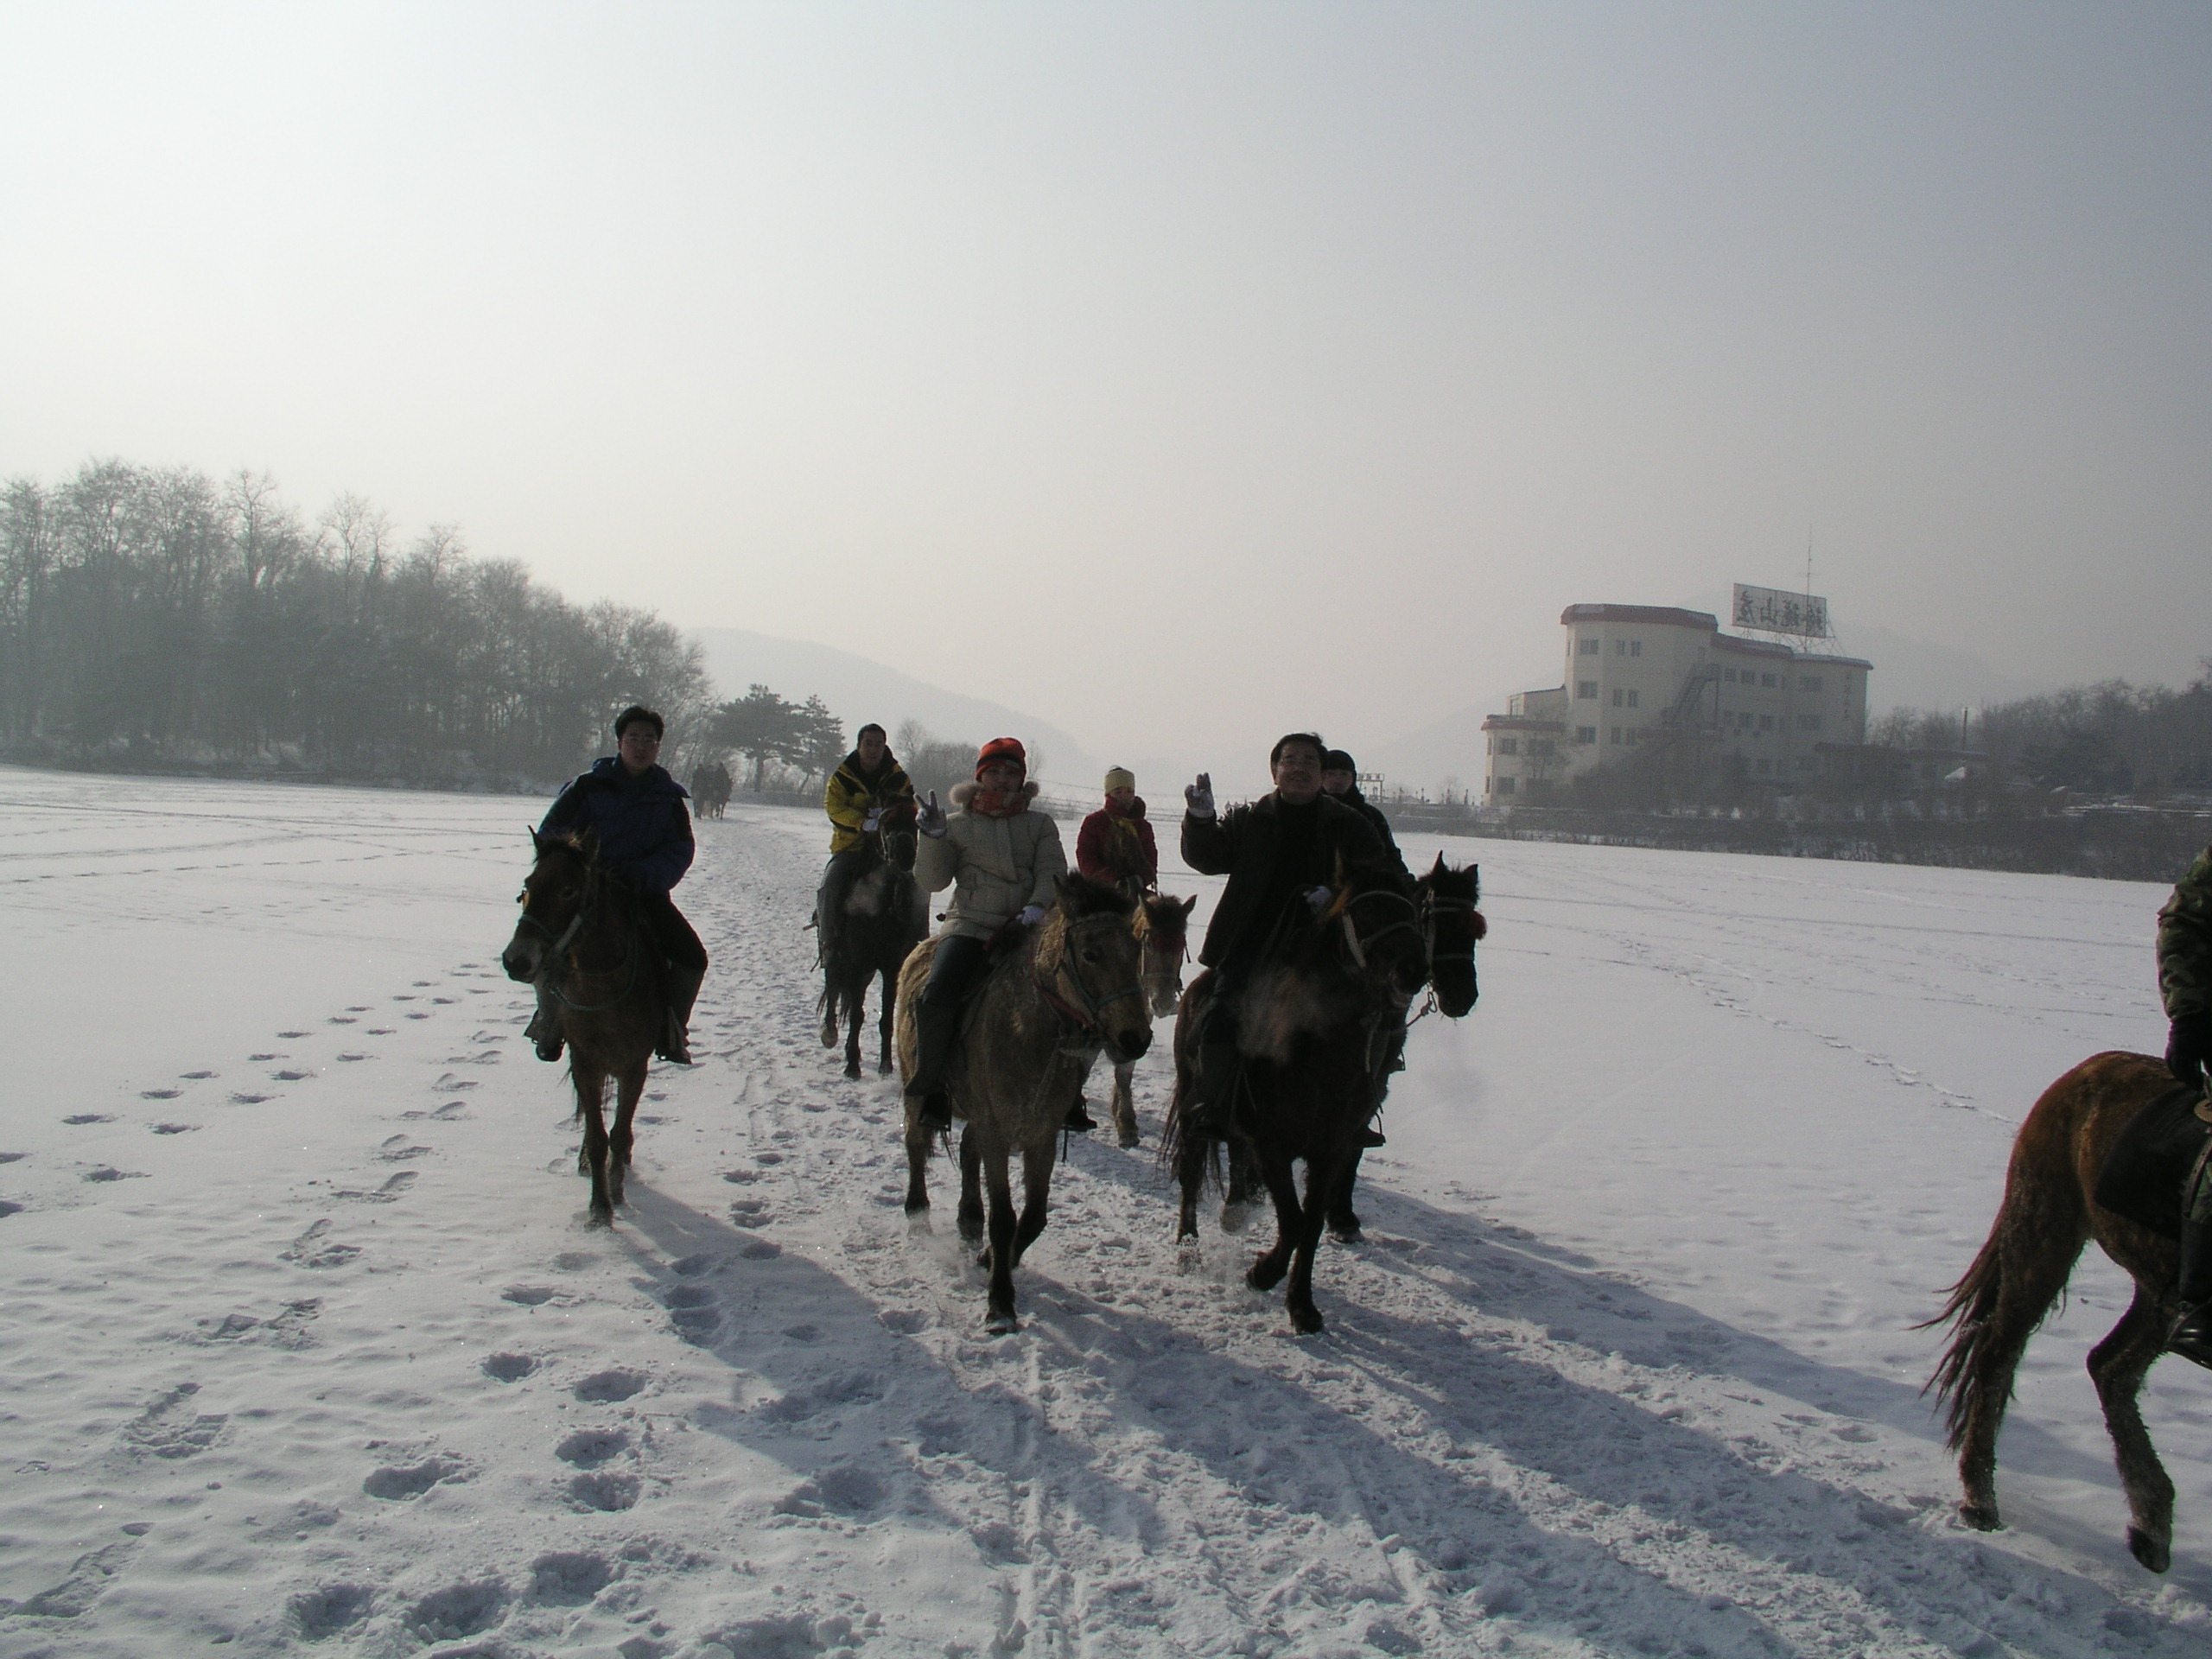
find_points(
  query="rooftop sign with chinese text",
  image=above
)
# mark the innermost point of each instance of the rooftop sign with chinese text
(1772, 611)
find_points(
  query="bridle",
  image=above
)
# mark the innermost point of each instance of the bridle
(1080, 1007)
(1435, 904)
(557, 951)
(1358, 945)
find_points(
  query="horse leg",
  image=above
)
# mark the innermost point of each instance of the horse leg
(627, 1089)
(1036, 1193)
(1237, 1194)
(2117, 1366)
(591, 1159)
(1001, 1253)
(828, 1005)
(1124, 1109)
(1191, 1175)
(971, 1189)
(919, 1137)
(889, 997)
(1344, 1220)
(1267, 1271)
(855, 1017)
(1324, 1176)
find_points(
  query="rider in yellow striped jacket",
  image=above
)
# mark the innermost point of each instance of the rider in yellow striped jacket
(869, 786)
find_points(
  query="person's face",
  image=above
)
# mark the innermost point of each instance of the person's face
(1298, 773)
(1124, 797)
(1336, 781)
(1000, 775)
(639, 747)
(872, 748)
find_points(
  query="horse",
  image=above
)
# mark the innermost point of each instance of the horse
(2049, 1212)
(1315, 1031)
(1162, 925)
(880, 922)
(580, 935)
(710, 789)
(1444, 898)
(1056, 996)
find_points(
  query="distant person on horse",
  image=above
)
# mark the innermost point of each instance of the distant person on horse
(1281, 856)
(1340, 782)
(1115, 846)
(644, 846)
(868, 788)
(1001, 856)
(2185, 984)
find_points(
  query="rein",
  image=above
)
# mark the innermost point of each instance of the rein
(1084, 1018)
(1359, 946)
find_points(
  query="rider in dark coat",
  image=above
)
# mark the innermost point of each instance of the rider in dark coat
(2186, 985)
(1340, 781)
(1283, 849)
(645, 845)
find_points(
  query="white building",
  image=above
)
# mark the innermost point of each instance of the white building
(1638, 673)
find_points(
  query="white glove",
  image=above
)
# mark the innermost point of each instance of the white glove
(1031, 915)
(1197, 798)
(873, 822)
(1319, 899)
(930, 817)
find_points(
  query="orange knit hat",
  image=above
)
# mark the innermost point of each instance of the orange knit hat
(1008, 749)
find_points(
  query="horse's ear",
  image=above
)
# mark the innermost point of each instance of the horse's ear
(1064, 886)
(1189, 905)
(1437, 868)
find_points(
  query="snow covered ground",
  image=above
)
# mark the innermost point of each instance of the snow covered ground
(304, 1345)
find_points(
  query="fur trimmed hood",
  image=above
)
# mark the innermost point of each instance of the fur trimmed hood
(961, 794)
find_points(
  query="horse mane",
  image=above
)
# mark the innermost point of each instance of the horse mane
(1080, 897)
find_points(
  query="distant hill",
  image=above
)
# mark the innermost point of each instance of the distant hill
(858, 690)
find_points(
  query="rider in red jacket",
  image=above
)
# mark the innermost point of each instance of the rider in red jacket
(1115, 846)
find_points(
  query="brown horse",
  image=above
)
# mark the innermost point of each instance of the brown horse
(880, 922)
(1057, 995)
(1315, 1031)
(2048, 1213)
(1163, 931)
(580, 935)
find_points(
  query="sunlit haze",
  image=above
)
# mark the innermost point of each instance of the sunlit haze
(1177, 374)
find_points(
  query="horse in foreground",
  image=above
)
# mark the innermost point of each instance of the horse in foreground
(1315, 1030)
(1058, 996)
(580, 935)
(1162, 924)
(880, 922)
(2048, 1213)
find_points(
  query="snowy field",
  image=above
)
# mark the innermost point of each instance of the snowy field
(304, 1345)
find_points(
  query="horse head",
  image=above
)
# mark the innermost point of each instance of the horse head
(557, 899)
(1163, 931)
(1375, 931)
(1089, 964)
(896, 839)
(1452, 925)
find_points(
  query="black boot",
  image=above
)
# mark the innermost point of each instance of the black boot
(545, 1028)
(2191, 1335)
(1206, 1111)
(1078, 1120)
(934, 1027)
(1372, 1136)
(683, 991)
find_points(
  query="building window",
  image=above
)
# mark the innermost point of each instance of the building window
(1808, 722)
(1633, 733)
(1505, 785)
(1766, 722)
(1542, 748)
(1729, 674)
(1587, 647)
(1808, 683)
(1586, 734)
(1509, 745)
(1770, 679)
(1586, 688)
(1617, 694)
(1617, 733)
(1636, 647)
(1631, 699)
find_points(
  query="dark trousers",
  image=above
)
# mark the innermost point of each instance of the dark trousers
(672, 933)
(837, 876)
(958, 964)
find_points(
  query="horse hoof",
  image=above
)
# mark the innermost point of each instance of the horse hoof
(853, 1069)
(829, 1036)
(1347, 1231)
(2157, 1554)
(1127, 1138)
(1306, 1321)
(885, 1069)
(1001, 1325)
(1982, 1517)
(1264, 1275)
(1235, 1216)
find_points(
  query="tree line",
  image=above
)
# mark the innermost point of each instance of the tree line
(161, 615)
(2108, 739)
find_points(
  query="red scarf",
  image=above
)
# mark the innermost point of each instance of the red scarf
(999, 802)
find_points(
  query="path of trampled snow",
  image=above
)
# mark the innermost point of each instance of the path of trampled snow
(304, 1343)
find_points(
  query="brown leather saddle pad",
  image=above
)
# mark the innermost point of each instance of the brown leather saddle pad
(2146, 1173)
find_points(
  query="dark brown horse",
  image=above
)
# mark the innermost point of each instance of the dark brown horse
(1163, 930)
(1059, 995)
(2048, 1213)
(1313, 1031)
(580, 936)
(880, 922)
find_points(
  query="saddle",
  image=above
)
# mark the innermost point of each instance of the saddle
(2147, 1174)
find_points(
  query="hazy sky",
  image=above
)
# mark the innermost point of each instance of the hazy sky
(1180, 373)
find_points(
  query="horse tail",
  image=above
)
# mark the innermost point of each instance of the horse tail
(2019, 1276)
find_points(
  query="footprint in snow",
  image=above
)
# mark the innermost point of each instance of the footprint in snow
(353, 1057)
(13, 1157)
(174, 1128)
(528, 1295)
(509, 1367)
(605, 1491)
(264, 1056)
(109, 1172)
(316, 1248)
(251, 1100)
(610, 1388)
(398, 1484)
(159, 1094)
(589, 1447)
(394, 1188)
(196, 1077)
(569, 1577)
(294, 1033)
(88, 1117)
(328, 1608)
(290, 1076)
(692, 1310)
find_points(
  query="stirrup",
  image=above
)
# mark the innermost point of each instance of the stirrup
(2191, 1335)
(1372, 1136)
(1078, 1120)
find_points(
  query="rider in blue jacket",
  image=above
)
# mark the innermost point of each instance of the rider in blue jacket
(644, 845)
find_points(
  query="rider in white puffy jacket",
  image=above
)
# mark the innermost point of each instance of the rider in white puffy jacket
(1001, 856)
